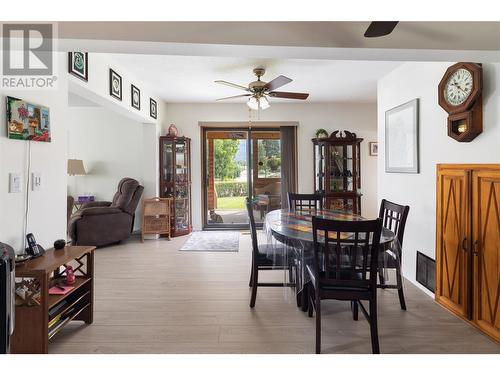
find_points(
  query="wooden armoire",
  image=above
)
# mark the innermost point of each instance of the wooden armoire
(468, 243)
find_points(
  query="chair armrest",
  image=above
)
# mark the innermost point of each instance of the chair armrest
(96, 204)
(99, 211)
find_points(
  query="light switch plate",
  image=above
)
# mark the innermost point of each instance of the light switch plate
(15, 182)
(36, 181)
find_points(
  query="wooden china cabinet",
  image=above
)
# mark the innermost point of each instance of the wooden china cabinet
(175, 181)
(337, 171)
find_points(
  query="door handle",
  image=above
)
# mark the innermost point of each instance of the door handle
(464, 244)
(474, 248)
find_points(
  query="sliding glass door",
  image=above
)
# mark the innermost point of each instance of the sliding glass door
(237, 164)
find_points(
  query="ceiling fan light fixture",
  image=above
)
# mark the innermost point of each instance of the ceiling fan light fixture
(253, 103)
(264, 103)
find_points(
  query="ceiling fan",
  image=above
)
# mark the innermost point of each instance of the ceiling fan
(380, 28)
(259, 91)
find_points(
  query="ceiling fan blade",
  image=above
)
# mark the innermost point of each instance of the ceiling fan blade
(380, 28)
(233, 85)
(289, 95)
(277, 82)
(234, 97)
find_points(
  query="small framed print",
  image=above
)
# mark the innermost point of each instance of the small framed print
(115, 84)
(135, 95)
(152, 108)
(78, 65)
(373, 148)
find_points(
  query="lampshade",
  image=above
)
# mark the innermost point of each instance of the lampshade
(253, 103)
(264, 103)
(76, 167)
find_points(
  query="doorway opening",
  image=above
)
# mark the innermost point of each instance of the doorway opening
(240, 163)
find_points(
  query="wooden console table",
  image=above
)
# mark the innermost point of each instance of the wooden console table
(36, 308)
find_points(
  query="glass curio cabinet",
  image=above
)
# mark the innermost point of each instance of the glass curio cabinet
(175, 181)
(337, 171)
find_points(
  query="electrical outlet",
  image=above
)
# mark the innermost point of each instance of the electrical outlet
(36, 181)
(15, 181)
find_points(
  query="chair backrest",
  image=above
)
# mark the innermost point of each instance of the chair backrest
(304, 202)
(128, 195)
(253, 228)
(394, 217)
(346, 251)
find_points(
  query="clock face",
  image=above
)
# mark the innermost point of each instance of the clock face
(459, 87)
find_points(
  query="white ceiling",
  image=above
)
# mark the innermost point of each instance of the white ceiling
(190, 79)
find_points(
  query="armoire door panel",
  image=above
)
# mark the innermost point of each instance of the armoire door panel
(486, 259)
(453, 240)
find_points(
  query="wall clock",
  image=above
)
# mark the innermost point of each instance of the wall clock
(460, 94)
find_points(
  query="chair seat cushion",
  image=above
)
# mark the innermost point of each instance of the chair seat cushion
(271, 255)
(345, 282)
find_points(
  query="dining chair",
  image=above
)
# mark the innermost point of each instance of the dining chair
(393, 217)
(344, 253)
(264, 257)
(304, 202)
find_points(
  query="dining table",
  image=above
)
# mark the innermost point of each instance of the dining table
(292, 230)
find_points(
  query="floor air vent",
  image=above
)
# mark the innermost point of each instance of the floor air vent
(426, 271)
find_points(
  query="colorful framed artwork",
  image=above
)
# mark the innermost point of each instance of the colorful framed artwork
(135, 96)
(115, 84)
(152, 108)
(78, 65)
(27, 121)
(401, 138)
(373, 148)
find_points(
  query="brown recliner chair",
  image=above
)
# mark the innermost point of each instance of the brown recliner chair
(105, 223)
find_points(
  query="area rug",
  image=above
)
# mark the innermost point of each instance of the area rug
(224, 241)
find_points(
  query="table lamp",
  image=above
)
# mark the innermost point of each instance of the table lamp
(76, 168)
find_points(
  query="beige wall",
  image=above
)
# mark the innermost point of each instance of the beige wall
(360, 118)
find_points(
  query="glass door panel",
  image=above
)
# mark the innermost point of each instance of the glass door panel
(236, 169)
(226, 178)
(266, 172)
(341, 166)
(167, 153)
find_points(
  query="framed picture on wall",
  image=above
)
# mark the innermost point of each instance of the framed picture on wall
(115, 84)
(152, 108)
(373, 148)
(135, 95)
(401, 138)
(27, 121)
(78, 65)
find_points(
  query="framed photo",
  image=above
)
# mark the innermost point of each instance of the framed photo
(78, 65)
(27, 121)
(135, 95)
(401, 138)
(152, 108)
(373, 148)
(115, 84)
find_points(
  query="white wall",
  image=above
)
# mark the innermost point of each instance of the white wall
(47, 213)
(360, 118)
(47, 208)
(111, 147)
(420, 80)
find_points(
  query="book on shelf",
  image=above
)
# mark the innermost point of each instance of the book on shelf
(56, 308)
(54, 321)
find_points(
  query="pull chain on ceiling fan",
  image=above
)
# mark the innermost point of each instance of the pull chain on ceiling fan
(259, 91)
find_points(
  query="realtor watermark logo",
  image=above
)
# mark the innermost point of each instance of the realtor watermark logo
(28, 56)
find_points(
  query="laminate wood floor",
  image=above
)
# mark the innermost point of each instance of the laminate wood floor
(152, 298)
